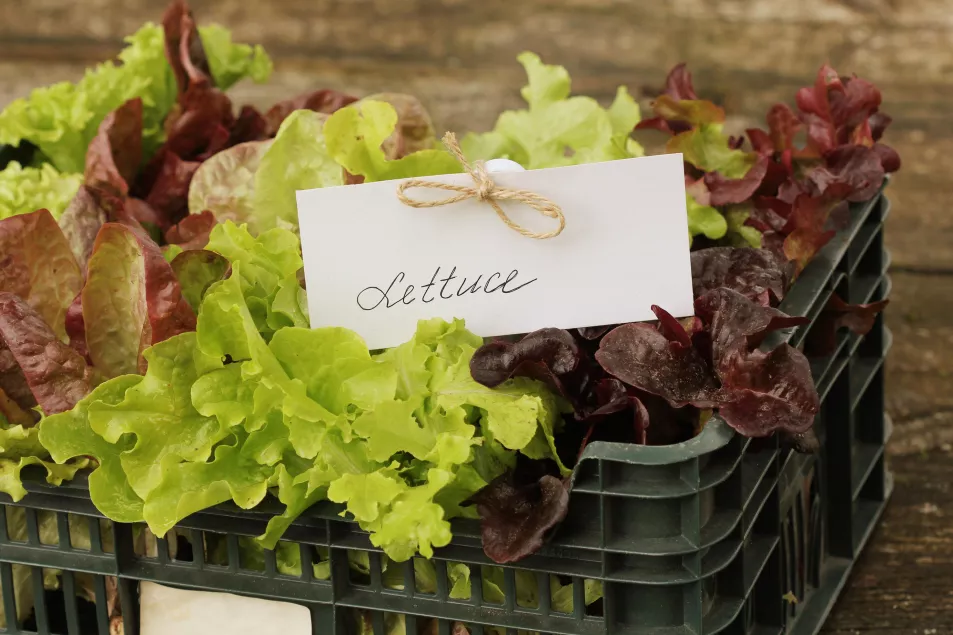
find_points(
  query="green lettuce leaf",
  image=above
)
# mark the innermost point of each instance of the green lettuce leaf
(704, 219)
(239, 408)
(354, 136)
(707, 148)
(297, 159)
(20, 447)
(739, 234)
(68, 435)
(557, 129)
(27, 189)
(230, 62)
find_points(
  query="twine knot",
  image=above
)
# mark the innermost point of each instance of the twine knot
(485, 190)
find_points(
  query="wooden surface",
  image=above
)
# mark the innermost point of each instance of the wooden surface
(459, 58)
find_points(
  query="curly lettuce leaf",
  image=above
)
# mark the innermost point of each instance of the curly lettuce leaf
(20, 447)
(237, 409)
(27, 189)
(68, 436)
(557, 129)
(355, 134)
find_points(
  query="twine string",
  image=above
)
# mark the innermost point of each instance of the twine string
(485, 190)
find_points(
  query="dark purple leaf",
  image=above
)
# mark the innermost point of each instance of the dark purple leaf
(642, 357)
(837, 314)
(769, 392)
(670, 327)
(12, 381)
(889, 158)
(516, 517)
(549, 355)
(192, 232)
(757, 274)
(737, 324)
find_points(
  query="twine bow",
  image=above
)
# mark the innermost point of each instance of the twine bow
(484, 190)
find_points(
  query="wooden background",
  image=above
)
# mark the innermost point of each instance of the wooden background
(458, 56)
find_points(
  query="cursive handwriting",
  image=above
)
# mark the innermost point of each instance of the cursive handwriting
(400, 292)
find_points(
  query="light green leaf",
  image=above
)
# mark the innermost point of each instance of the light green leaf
(704, 219)
(706, 147)
(297, 159)
(354, 136)
(741, 235)
(158, 412)
(231, 62)
(557, 129)
(27, 189)
(68, 435)
(196, 270)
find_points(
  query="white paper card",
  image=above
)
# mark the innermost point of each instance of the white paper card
(377, 266)
(167, 611)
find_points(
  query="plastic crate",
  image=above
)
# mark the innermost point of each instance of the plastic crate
(718, 534)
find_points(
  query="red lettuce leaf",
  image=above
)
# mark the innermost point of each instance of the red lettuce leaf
(192, 232)
(726, 191)
(849, 172)
(644, 358)
(37, 264)
(57, 375)
(807, 228)
(76, 328)
(610, 397)
(114, 155)
(757, 274)
(250, 125)
(326, 101)
(169, 194)
(517, 515)
(769, 392)
(737, 324)
(859, 318)
(12, 381)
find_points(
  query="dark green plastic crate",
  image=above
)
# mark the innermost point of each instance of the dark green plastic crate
(713, 535)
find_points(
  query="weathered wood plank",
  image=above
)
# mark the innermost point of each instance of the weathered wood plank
(903, 583)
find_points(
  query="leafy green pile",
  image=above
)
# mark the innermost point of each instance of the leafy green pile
(557, 129)
(153, 322)
(253, 400)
